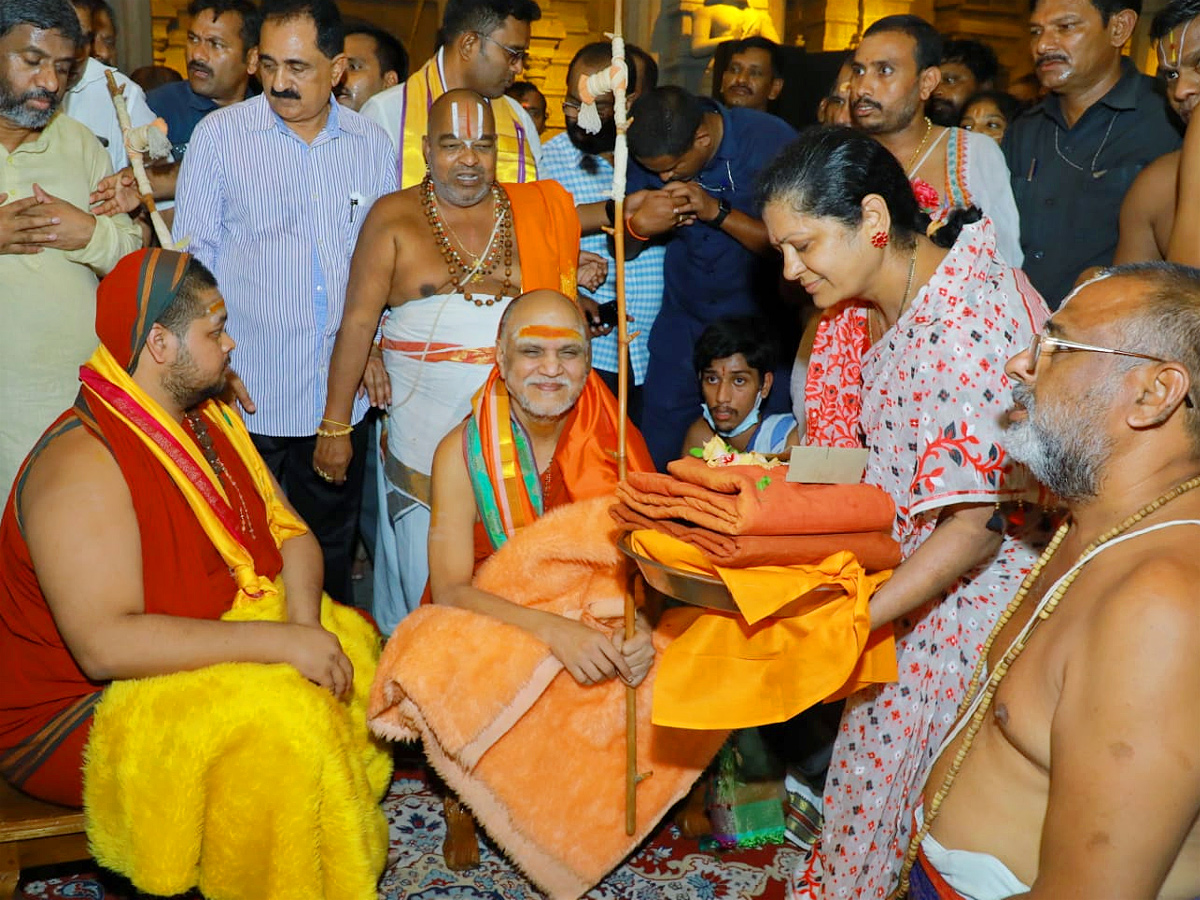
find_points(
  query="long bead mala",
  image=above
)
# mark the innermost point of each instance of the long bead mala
(499, 244)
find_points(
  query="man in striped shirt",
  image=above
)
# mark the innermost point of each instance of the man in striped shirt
(272, 194)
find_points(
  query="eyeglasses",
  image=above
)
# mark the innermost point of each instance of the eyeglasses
(1053, 344)
(604, 107)
(516, 55)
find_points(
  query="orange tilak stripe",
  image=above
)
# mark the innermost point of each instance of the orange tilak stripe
(549, 332)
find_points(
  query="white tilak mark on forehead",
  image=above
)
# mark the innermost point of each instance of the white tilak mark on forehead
(1182, 41)
(454, 119)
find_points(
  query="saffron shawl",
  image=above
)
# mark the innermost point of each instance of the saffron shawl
(504, 476)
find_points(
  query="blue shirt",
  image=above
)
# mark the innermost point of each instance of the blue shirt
(182, 109)
(563, 162)
(707, 274)
(276, 220)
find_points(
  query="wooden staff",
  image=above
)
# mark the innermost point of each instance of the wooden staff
(589, 88)
(136, 161)
(620, 160)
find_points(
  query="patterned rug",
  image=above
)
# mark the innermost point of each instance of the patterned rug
(667, 867)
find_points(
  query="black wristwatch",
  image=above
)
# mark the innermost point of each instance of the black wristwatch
(723, 210)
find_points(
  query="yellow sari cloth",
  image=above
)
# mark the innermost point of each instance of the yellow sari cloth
(243, 779)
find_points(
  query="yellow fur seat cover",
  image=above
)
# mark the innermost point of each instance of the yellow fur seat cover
(245, 780)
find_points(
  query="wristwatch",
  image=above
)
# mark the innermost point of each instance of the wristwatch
(723, 210)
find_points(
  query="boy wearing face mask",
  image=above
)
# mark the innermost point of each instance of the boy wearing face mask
(733, 361)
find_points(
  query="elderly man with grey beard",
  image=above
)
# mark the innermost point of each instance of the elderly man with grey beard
(52, 249)
(1074, 769)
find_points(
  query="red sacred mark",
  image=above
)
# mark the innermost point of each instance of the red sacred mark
(549, 332)
(880, 239)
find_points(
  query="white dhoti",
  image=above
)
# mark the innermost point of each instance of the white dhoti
(438, 351)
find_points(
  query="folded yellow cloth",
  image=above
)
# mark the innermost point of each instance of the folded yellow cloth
(737, 671)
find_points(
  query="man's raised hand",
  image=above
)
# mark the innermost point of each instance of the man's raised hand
(115, 193)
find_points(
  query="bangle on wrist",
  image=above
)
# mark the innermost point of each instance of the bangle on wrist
(632, 233)
(610, 211)
(341, 430)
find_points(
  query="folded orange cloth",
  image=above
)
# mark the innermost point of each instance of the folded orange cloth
(741, 500)
(539, 758)
(874, 550)
(731, 671)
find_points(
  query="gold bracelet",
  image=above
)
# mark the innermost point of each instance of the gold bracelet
(337, 423)
(341, 432)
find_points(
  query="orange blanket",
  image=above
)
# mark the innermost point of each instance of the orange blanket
(730, 671)
(740, 500)
(874, 550)
(538, 758)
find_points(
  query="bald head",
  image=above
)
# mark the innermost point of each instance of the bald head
(543, 353)
(460, 147)
(461, 114)
(544, 309)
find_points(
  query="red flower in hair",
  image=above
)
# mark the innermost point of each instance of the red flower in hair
(927, 195)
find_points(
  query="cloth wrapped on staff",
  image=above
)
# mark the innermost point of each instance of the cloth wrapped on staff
(874, 550)
(757, 668)
(742, 500)
(538, 757)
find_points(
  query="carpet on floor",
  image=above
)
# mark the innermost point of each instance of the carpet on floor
(667, 866)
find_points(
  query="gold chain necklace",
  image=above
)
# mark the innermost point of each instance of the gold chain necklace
(921, 146)
(500, 243)
(874, 314)
(1002, 667)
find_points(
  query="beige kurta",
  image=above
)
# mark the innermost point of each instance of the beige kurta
(48, 299)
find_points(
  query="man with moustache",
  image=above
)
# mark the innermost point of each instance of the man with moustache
(52, 250)
(221, 35)
(567, 419)
(483, 49)
(753, 76)
(583, 164)
(1075, 771)
(1075, 154)
(894, 73)
(272, 194)
(220, 38)
(967, 67)
(375, 61)
(444, 258)
(1148, 210)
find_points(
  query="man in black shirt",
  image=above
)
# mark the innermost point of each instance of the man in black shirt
(1073, 156)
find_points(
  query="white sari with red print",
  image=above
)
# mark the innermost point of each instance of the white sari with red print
(927, 400)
